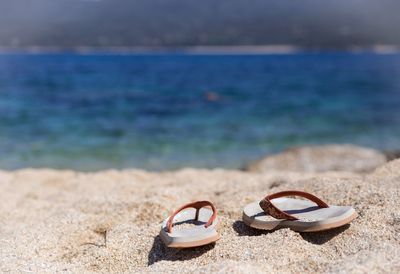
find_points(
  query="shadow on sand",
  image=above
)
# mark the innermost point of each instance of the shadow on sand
(244, 230)
(317, 238)
(322, 237)
(159, 252)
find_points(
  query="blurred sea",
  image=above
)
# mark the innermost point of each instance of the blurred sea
(163, 111)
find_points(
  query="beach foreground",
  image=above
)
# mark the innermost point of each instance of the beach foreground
(108, 221)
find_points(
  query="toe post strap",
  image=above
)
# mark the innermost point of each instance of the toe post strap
(269, 208)
(196, 205)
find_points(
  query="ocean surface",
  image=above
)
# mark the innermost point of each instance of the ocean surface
(166, 111)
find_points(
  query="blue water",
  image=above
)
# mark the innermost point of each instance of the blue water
(164, 111)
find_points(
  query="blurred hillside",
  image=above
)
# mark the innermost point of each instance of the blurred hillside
(174, 23)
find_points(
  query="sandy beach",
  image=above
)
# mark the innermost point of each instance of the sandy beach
(108, 221)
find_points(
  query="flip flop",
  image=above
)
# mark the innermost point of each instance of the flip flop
(204, 231)
(298, 215)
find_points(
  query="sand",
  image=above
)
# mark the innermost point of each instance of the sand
(322, 158)
(65, 221)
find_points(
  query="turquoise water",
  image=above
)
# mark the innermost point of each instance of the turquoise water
(163, 111)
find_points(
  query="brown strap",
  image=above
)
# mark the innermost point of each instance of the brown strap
(197, 205)
(275, 212)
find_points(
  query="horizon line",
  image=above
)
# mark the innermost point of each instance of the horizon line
(200, 49)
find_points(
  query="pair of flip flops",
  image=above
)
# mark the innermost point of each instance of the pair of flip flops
(309, 215)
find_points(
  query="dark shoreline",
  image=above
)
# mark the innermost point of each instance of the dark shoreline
(391, 154)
